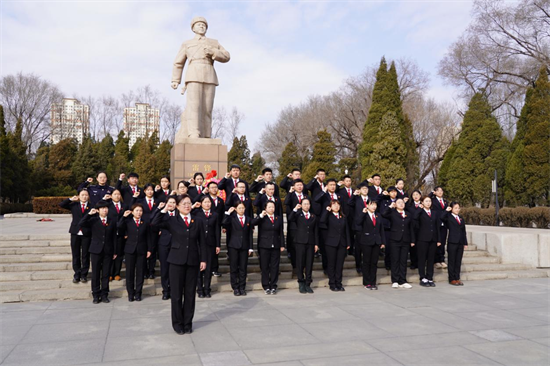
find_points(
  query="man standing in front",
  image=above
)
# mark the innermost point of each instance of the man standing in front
(200, 79)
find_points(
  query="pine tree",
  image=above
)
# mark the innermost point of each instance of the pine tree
(240, 154)
(536, 144)
(144, 161)
(20, 190)
(387, 99)
(480, 150)
(120, 162)
(322, 157)
(162, 160)
(7, 173)
(41, 175)
(61, 159)
(290, 159)
(105, 152)
(257, 164)
(86, 163)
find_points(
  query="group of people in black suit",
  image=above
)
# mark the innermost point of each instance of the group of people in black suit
(182, 228)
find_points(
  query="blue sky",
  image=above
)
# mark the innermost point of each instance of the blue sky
(281, 51)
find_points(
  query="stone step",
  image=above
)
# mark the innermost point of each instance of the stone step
(35, 250)
(33, 267)
(35, 258)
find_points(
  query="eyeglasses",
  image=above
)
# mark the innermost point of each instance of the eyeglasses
(185, 203)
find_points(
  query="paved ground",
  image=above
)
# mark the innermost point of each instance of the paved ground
(29, 226)
(504, 322)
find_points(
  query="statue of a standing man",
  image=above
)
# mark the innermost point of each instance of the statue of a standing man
(200, 79)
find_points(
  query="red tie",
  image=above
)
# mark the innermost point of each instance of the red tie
(117, 208)
(365, 202)
(166, 192)
(150, 205)
(137, 223)
(199, 190)
(373, 220)
(235, 181)
(242, 222)
(416, 205)
(337, 216)
(83, 208)
(133, 189)
(241, 198)
(349, 192)
(186, 222)
(103, 222)
(332, 196)
(171, 214)
(457, 219)
(378, 190)
(442, 204)
(271, 218)
(307, 216)
(430, 213)
(206, 213)
(300, 199)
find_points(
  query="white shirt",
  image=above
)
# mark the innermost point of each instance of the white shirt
(188, 217)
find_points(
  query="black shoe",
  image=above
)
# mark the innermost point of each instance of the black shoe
(83, 280)
(131, 298)
(341, 288)
(432, 284)
(179, 331)
(317, 255)
(105, 299)
(187, 330)
(207, 295)
(138, 297)
(413, 268)
(152, 277)
(236, 293)
(388, 268)
(273, 291)
(201, 295)
(359, 271)
(76, 280)
(424, 284)
(97, 300)
(302, 288)
(374, 287)
(165, 296)
(216, 274)
(309, 290)
(334, 289)
(243, 292)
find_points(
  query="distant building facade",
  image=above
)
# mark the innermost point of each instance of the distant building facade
(69, 119)
(140, 121)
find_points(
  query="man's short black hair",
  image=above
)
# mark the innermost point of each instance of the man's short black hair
(265, 170)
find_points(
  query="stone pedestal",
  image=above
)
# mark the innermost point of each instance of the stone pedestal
(189, 156)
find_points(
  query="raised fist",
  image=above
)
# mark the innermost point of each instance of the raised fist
(392, 205)
(127, 213)
(449, 209)
(289, 175)
(136, 195)
(90, 180)
(157, 188)
(231, 209)
(298, 206)
(93, 211)
(74, 198)
(161, 205)
(370, 180)
(227, 175)
(121, 176)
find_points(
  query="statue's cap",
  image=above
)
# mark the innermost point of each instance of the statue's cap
(198, 19)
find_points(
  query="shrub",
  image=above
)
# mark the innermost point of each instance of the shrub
(6, 208)
(515, 217)
(48, 205)
(540, 216)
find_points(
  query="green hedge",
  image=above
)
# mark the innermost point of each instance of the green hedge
(48, 205)
(509, 216)
(6, 208)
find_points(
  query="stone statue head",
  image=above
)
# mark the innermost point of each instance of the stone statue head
(199, 25)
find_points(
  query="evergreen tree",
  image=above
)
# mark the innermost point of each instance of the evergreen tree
(257, 165)
(18, 164)
(85, 163)
(120, 162)
(105, 153)
(61, 159)
(536, 144)
(240, 154)
(144, 161)
(480, 150)
(387, 99)
(162, 160)
(290, 159)
(41, 175)
(322, 157)
(6, 168)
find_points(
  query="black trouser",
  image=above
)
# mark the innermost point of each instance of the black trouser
(335, 264)
(183, 282)
(399, 252)
(80, 245)
(205, 277)
(387, 252)
(304, 260)
(164, 250)
(291, 247)
(323, 233)
(152, 260)
(269, 264)
(358, 252)
(116, 266)
(440, 253)
(135, 265)
(101, 264)
(426, 257)
(414, 256)
(215, 263)
(455, 251)
(238, 261)
(370, 263)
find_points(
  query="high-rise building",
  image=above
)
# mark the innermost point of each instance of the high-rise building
(140, 121)
(69, 119)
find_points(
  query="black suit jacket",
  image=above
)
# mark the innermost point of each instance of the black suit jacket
(337, 232)
(113, 214)
(256, 187)
(307, 231)
(402, 195)
(286, 183)
(188, 244)
(126, 191)
(401, 228)
(138, 238)
(370, 234)
(193, 192)
(457, 233)
(238, 237)
(213, 230)
(373, 194)
(356, 206)
(227, 185)
(314, 189)
(436, 206)
(164, 236)
(76, 211)
(104, 237)
(234, 198)
(426, 227)
(147, 213)
(160, 196)
(270, 234)
(96, 191)
(344, 199)
(411, 206)
(260, 201)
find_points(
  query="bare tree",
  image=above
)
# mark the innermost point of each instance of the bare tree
(29, 98)
(500, 53)
(171, 121)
